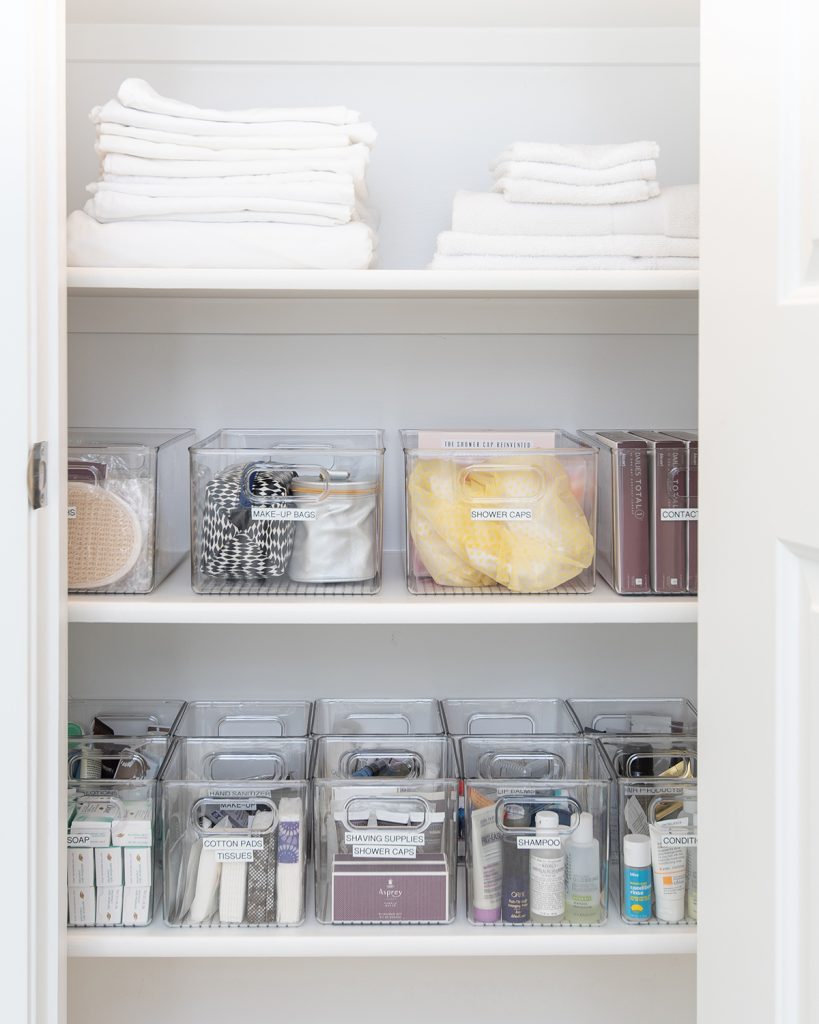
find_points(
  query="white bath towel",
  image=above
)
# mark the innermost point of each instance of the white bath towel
(524, 190)
(580, 155)
(298, 141)
(168, 151)
(564, 174)
(562, 263)
(337, 189)
(135, 92)
(113, 112)
(455, 243)
(116, 206)
(261, 246)
(675, 212)
(118, 163)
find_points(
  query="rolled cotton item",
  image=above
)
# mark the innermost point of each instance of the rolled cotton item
(233, 892)
(455, 243)
(208, 873)
(524, 190)
(113, 206)
(475, 261)
(528, 556)
(594, 156)
(351, 160)
(675, 212)
(637, 170)
(137, 93)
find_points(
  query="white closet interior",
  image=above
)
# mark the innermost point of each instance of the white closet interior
(447, 87)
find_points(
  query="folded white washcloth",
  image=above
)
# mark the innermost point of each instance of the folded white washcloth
(113, 112)
(562, 263)
(675, 212)
(116, 206)
(579, 155)
(337, 190)
(314, 140)
(456, 243)
(121, 164)
(637, 170)
(168, 151)
(219, 246)
(135, 92)
(523, 190)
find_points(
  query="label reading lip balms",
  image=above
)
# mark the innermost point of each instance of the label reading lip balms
(501, 515)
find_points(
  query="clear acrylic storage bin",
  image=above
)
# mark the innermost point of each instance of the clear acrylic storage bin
(235, 814)
(620, 715)
(518, 716)
(656, 831)
(385, 833)
(287, 512)
(226, 718)
(537, 830)
(112, 816)
(99, 716)
(499, 512)
(127, 508)
(342, 716)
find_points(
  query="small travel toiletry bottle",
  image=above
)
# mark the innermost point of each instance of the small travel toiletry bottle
(690, 810)
(637, 877)
(547, 871)
(515, 887)
(583, 873)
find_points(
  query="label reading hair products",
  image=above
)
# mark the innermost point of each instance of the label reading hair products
(501, 515)
(679, 515)
(290, 515)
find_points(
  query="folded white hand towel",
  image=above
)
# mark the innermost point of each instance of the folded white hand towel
(455, 243)
(562, 263)
(120, 164)
(358, 153)
(637, 170)
(523, 190)
(134, 92)
(113, 112)
(220, 246)
(337, 190)
(580, 155)
(215, 143)
(115, 206)
(675, 212)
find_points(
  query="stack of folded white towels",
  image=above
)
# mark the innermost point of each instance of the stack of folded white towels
(566, 207)
(181, 186)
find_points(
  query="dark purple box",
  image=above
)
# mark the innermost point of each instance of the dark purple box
(381, 890)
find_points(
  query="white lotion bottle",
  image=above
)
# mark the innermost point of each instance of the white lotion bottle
(583, 873)
(547, 871)
(690, 808)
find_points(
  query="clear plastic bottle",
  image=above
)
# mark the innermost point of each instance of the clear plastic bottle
(547, 871)
(690, 809)
(583, 873)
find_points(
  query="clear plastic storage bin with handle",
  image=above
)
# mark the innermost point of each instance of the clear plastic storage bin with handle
(102, 716)
(656, 837)
(287, 512)
(227, 718)
(510, 511)
(537, 835)
(127, 508)
(620, 715)
(500, 716)
(235, 814)
(350, 716)
(112, 817)
(385, 830)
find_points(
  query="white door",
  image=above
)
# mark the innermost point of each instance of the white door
(31, 406)
(759, 600)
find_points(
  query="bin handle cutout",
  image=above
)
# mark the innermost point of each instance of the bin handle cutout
(213, 761)
(247, 496)
(363, 808)
(502, 716)
(685, 758)
(500, 467)
(227, 720)
(79, 755)
(360, 761)
(203, 808)
(537, 803)
(516, 765)
(390, 717)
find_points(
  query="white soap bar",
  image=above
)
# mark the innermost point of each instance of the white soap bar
(81, 867)
(98, 833)
(137, 864)
(136, 904)
(109, 905)
(131, 833)
(109, 866)
(81, 905)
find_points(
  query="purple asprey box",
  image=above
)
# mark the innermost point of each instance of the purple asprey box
(623, 510)
(667, 471)
(389, 891)
(691, 439)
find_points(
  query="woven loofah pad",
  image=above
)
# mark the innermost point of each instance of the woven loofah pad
(104, 537)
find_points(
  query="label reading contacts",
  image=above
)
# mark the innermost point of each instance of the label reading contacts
(679, 515)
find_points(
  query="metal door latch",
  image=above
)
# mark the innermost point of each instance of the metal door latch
(37, 474)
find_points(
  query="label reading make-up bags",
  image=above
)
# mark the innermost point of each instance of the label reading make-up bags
(299, 515)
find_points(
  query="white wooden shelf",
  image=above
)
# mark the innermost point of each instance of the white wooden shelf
(123, 281)
(175, 602)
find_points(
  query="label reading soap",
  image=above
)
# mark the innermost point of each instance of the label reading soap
(679, 515)
(287, 515)
(501, 515)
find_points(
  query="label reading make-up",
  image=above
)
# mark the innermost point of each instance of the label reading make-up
(539, 842)
(679, 515)
(289, 515)
(501, 515)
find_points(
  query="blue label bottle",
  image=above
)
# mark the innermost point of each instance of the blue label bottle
(636, 896)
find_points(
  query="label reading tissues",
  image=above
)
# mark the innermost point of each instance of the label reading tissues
(233, 848)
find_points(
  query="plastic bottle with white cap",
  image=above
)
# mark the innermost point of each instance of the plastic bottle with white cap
(583, 872)
(690, 810)
(547, 871)
(636, 897)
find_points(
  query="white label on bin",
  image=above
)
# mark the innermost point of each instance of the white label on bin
(233, 844)
(243, 800)
(396, 852)
(679, 515)
(501, 515)
(290, 515)
(72, 511)
(540, 843)
(515, 791)
(234, 856)
(676, 839)
(80, 841)
(487, 444)
(385, 838)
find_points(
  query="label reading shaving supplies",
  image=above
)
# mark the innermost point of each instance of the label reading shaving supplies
(287, 515)
(501, 515)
